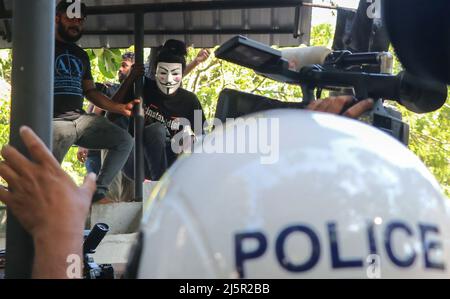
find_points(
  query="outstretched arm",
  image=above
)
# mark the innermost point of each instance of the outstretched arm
(49, 205)
(202, 56)
(105, 103)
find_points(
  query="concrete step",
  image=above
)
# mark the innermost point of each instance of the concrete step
(114, 249)
(122, 217)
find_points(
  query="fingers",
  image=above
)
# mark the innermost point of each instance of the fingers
(5, 196)
(340, 104)
(9, 175)
(16, 160)
(89, 186)
(203, 55)
(37, 149)
(343, 105)
(359, 109)
(313, 105)
(129, 107)
(131, 104)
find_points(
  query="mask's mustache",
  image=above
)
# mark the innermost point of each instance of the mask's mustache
(169, 84)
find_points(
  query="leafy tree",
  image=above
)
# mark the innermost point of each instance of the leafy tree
(430, 137)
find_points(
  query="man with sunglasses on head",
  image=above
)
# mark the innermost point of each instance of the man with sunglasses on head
(73, 81)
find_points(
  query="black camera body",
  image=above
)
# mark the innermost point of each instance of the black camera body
(382, 117)
(92, 239)
(362, 75)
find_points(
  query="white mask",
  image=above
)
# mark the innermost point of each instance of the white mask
(168, 77)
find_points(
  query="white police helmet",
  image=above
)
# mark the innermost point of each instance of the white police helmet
(343, 200)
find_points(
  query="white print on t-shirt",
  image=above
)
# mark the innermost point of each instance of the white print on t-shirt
(172, 124)
(68, 75)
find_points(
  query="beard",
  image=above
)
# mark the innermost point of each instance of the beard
(122, 77)
(64, 33)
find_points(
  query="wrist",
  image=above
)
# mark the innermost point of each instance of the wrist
(60, 234)
(116, 108)
(58, 255)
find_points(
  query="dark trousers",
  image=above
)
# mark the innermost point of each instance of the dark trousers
(93, 162)
(94, 132)
(158, 154)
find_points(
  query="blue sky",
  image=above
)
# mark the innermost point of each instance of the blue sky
(325, 15)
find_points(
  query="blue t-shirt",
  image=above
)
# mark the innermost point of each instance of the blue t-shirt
(72, 66)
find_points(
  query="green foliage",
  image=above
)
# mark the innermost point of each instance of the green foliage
(208, 80)
(5, 64)
(430, 137)
(74, 167)
(104, 63)
(430, 140)
(322, 35)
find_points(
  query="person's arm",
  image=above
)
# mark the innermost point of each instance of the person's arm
(137, 71)
(103, 102)
(49, 205)
(202, 56)
(58, 256)
(125, 90)
(98, 111)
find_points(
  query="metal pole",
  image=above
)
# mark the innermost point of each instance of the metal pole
(32, 105)
(138, 110)
(261, 30)
(192, 6)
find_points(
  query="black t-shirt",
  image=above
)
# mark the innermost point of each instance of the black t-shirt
(169, 109)
(72, 66)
